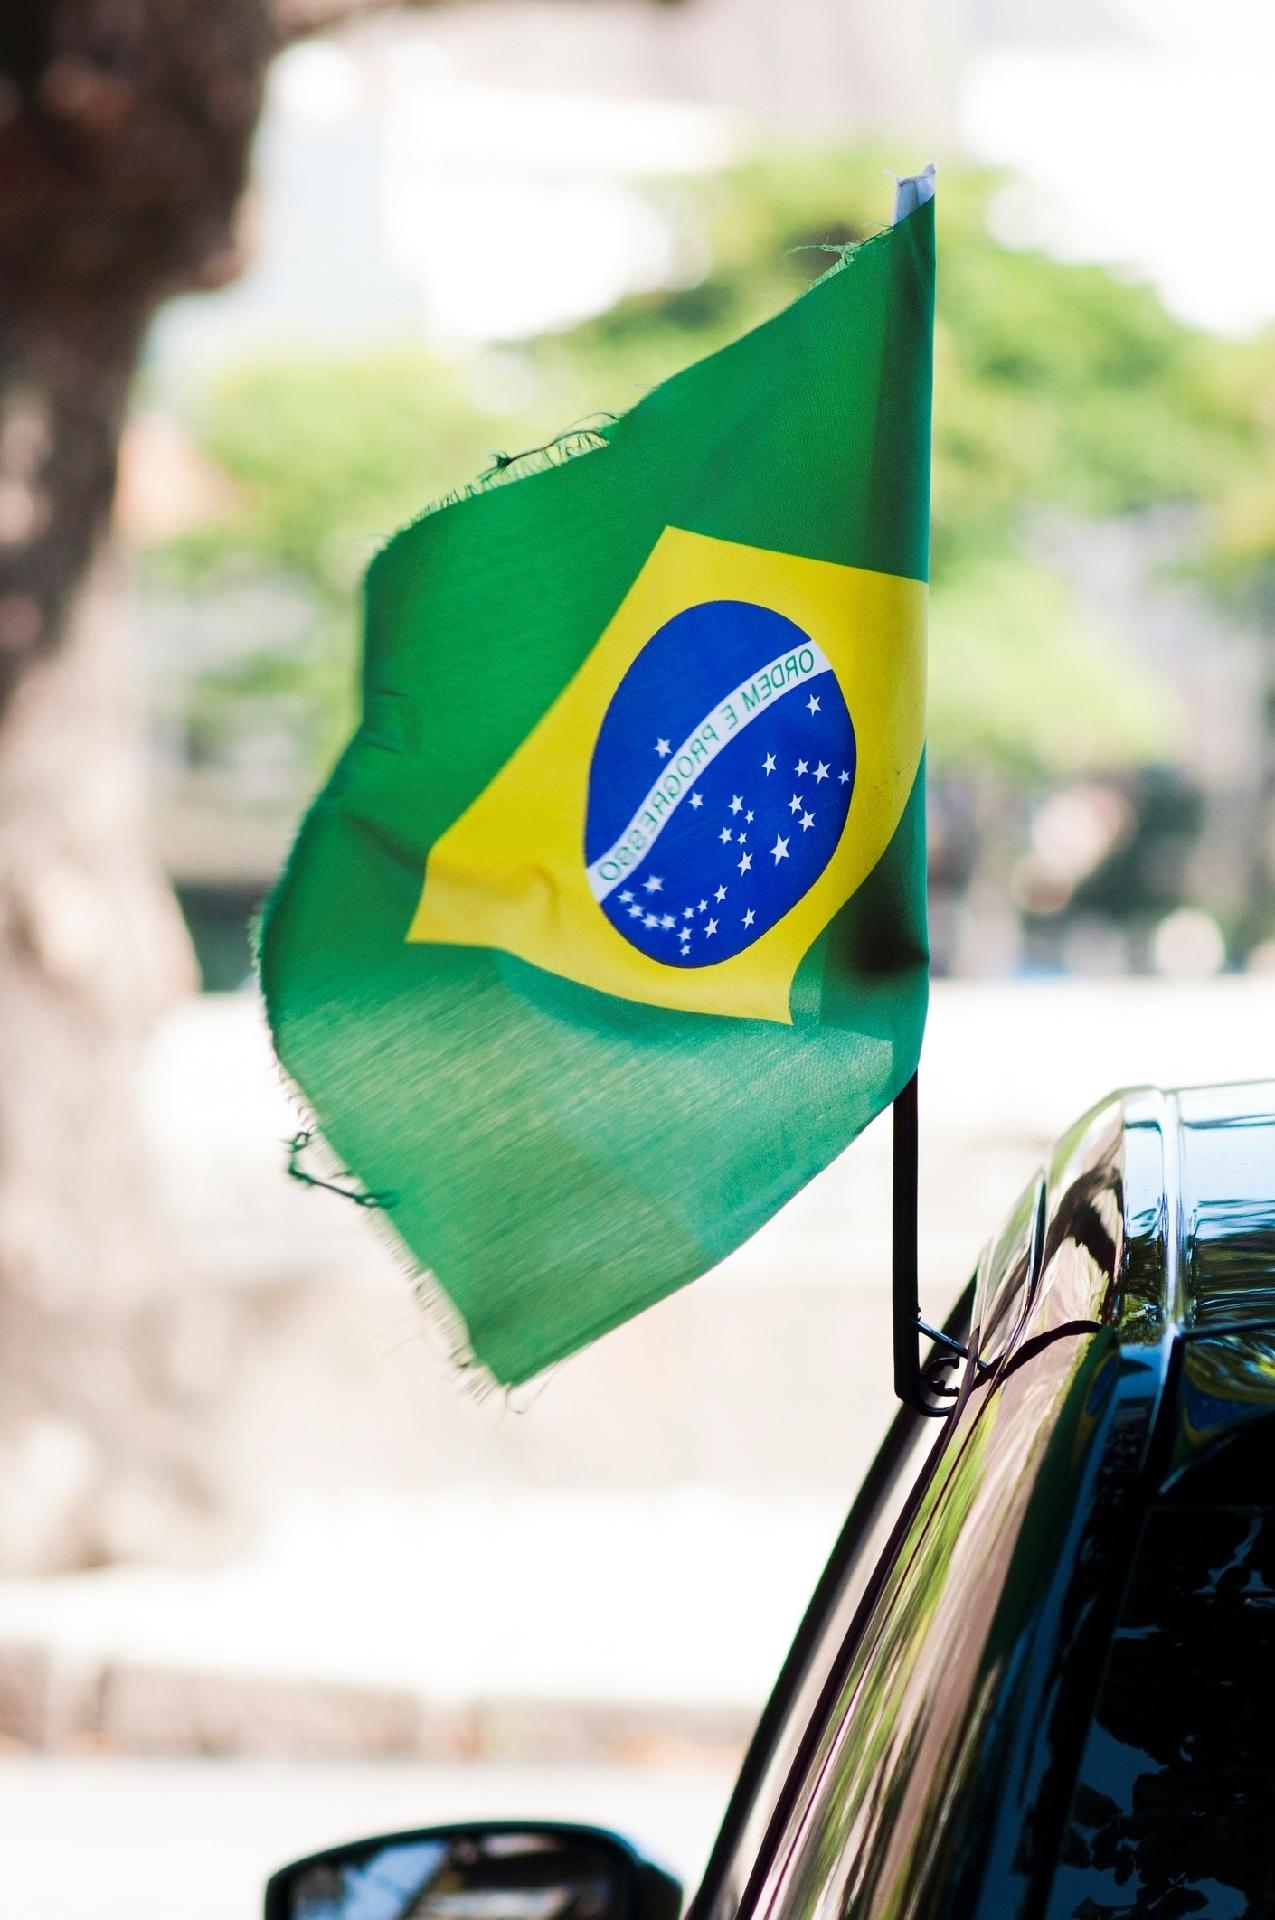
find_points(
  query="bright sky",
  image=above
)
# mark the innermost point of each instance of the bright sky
(1155, 153)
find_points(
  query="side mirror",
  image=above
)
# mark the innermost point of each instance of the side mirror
(489, 1870)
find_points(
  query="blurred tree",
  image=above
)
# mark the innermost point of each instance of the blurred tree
(1239, 563)
(326, 458)
(1059, 389)
(124, 132)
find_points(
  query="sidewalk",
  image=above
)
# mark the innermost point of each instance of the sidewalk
(521, 1623)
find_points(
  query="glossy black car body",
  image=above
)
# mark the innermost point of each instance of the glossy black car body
(1038, 1677)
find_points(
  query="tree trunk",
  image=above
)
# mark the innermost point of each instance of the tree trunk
(92, 949)
(124, 133)
(125, 128)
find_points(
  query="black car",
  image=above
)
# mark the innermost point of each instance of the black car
(1037, 1678)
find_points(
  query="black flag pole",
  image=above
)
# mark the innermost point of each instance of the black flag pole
(923, 1391)
(907, 1305)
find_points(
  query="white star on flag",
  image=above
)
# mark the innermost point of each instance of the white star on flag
(749, 816)
(725, 835)
(663, 748)
(720, 894)
(626, 896)
(768, 764)
(821, 771)
(741, 837)
(667, 920)
(749, 917)
(702, 905)
(654, 884)
(812, 706)
(649, 920)
(803, 766)
(697, 799)
(736, 803)
(635, 911)
(688, 913)
(780, 849)
(807, 820)
(842, 777)
(746, 863)
(711, 927)
(796, 803)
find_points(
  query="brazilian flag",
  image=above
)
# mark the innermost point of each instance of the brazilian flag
(608, 931)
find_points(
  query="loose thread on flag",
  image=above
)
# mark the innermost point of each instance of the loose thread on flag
(576, 439)
(301, 1143)
(505, 467)
(845, 250)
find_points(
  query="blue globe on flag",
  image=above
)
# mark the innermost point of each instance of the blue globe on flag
(720, 783)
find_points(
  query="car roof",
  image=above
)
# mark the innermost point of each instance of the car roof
(1190, 1180)
(1156, 1218)
(1223, 1140)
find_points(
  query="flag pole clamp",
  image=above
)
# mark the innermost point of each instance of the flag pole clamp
(923, 1388)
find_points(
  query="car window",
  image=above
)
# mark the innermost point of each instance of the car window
(774, 1757)
(1171, 1813)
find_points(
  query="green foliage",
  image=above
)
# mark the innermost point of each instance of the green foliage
(327, 457)
(1239, 561)
(1058, 387)
(1020, 682)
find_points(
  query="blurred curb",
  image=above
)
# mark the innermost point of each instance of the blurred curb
(133, 1708)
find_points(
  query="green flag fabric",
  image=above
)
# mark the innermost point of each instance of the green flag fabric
(608, 931)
